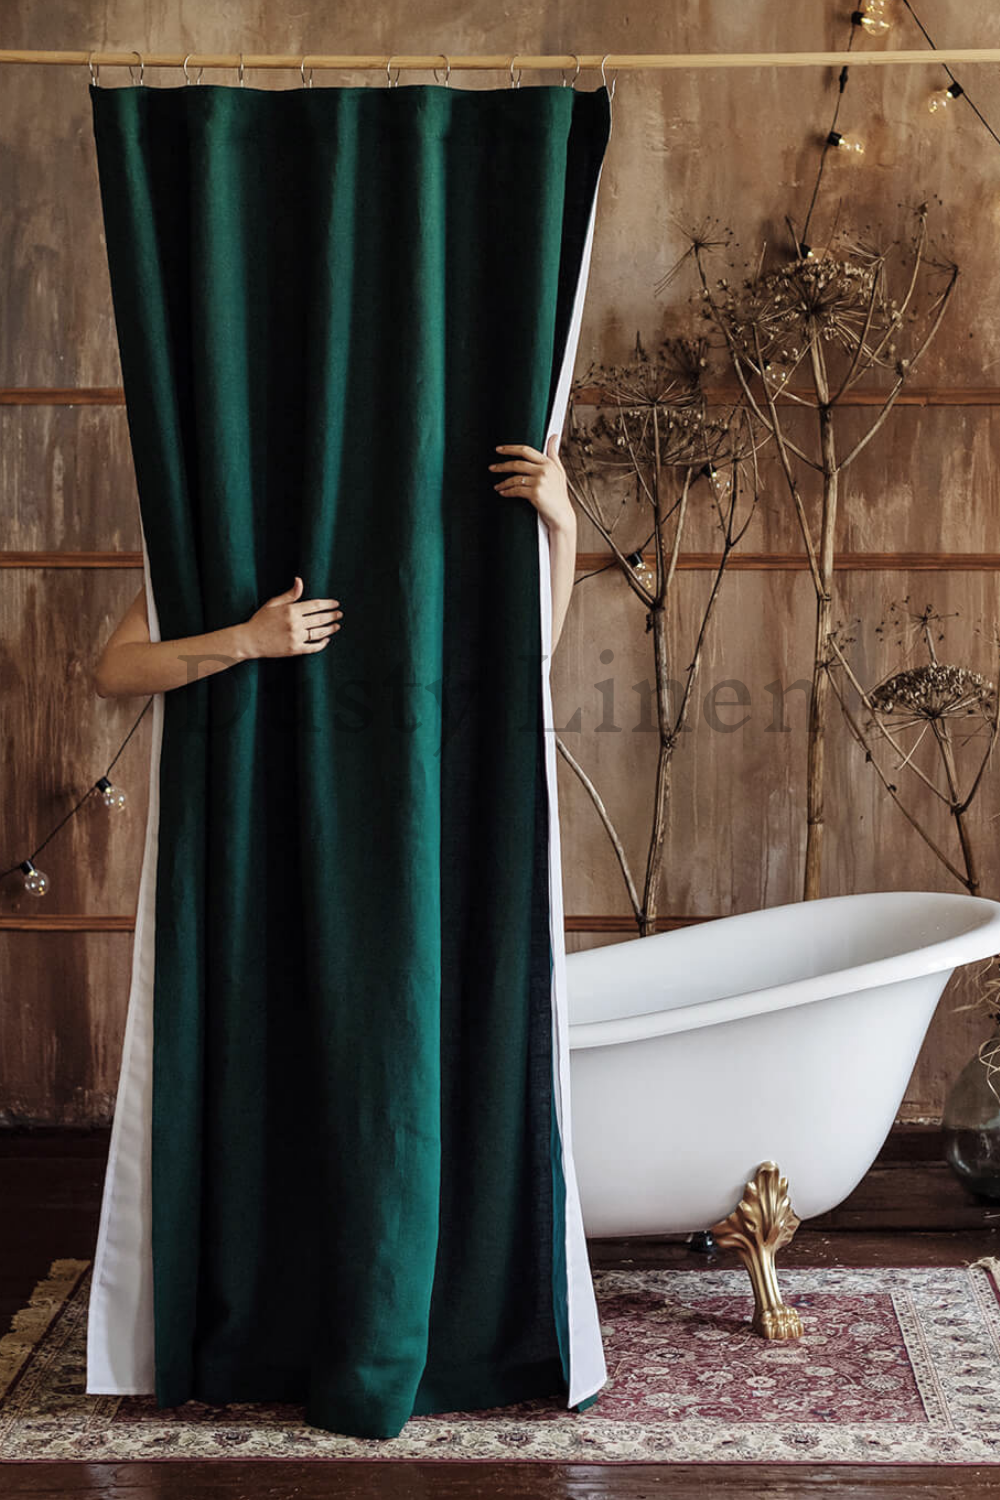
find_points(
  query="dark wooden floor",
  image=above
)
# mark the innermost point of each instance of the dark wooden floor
(908, 1211)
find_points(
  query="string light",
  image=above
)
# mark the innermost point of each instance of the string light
(872, 21)
(719, 481)
(113, 796)
(941, 98)
(643, 572)
(36, 882)
(848, 143)
(956, 91)
(813, 252)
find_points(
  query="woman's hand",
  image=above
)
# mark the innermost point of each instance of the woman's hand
(540, 478)
(290, 626)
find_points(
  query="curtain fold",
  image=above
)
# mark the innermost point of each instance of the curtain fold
(331, 305)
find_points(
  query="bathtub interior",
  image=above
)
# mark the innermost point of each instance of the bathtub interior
(762, 949)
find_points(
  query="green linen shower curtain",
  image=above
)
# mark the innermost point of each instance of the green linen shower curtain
(331, 305)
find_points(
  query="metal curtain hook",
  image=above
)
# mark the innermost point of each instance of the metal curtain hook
(514, 85)
(95, 73)
(141, 67)
(611, 91)
(447, 74)
(302, 70)
(392, 82)
(576, 74)
(187, 75)
(241, 70)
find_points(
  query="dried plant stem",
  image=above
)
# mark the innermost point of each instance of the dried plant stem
(816, 751)
(905, 757)
(747, 342)
(609, 827)
(596, 519)
(858, 734)
(958, 808)
(657, 417)
(955, 802)
(661, 673)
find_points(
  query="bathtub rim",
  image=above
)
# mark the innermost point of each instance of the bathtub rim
(940, 957)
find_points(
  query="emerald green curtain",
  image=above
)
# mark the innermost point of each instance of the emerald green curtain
(331, 305)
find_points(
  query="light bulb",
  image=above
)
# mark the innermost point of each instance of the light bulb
(874, 25)
(720, 481)
(849, 143)
(643, 572)
(36, 883)
(814, 252)
(941, 98)
(113, 796)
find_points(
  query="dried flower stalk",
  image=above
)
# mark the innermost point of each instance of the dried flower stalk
(654, 428)
(948, 706)
(832, 316)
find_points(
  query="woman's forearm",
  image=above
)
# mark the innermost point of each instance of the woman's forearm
(562, 570)
(131, 668)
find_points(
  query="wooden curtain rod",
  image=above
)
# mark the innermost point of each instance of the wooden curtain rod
(625, 62)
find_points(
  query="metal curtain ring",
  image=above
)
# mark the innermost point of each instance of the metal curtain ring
(448, 74)
(187, 75)
(241, 70)
(141, 67)
(576, 74)
(514, 85)
(611, 91)
(392, 82)
(302, 70)
(95, 73)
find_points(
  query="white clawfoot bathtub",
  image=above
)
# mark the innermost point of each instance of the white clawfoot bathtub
(787, 1034)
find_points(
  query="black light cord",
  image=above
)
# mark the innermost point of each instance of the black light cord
(63, 821)
(829, 140)
(614, 561)
(963, 95)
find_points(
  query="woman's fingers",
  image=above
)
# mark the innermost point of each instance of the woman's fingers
(319, 638)
(516, 466)
(308, 606)
(521, 450)
(322, 616)
(515, 487)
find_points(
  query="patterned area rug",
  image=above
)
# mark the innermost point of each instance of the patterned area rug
(895, 1366)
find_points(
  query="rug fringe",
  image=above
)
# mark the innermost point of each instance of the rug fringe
(30, 1324)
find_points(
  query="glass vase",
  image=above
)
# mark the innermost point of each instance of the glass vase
(971, 1121)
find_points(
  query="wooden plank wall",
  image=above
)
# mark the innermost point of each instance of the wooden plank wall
(740, 146)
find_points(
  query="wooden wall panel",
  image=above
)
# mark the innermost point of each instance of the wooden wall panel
(929, 482)
(62, 1021)
(736, 829)
(67, 480)
(740, 148)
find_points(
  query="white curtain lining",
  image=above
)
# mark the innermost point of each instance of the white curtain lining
(588, 1371)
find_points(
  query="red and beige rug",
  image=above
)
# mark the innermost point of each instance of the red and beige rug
(895, 1366)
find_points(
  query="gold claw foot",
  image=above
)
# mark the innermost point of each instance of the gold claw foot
(756, 1229)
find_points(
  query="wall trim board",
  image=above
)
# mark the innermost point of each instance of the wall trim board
(83, 922)
(113, 395)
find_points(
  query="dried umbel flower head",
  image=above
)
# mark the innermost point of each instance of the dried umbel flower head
(687, 437)
(774, 316)
(933, 692)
